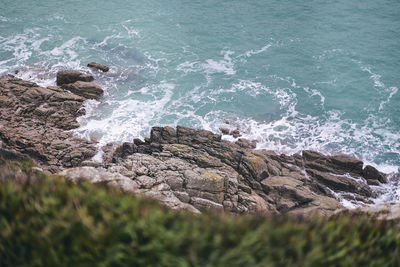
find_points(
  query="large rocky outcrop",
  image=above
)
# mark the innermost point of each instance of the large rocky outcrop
(196, 170)
(34, 121)
(183, 168)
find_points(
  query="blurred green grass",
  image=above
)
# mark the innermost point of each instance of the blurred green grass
(49, 221)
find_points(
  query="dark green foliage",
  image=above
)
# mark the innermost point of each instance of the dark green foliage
(48, 221)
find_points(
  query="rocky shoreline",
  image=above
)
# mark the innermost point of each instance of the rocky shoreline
(182, 168)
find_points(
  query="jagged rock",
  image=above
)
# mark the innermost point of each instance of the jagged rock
(89, 90)
(207, 172)
(163, 135)
(204, 204)
(140, 185)
(246, 144)
(341, 183)
(370, 173)
(224, 130)
(98, 66)
(124, 150)
(34, 120)
(347, 164)
(71, 76)
(235, 133)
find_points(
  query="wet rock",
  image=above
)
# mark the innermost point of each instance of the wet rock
(138, 142)
(346, 164)
(247, 144)
(235, 133)
(370, 173)
(163, 135)
(98, 66)
(224, 130)
(341, 183)
(89, 90)
(71, 76)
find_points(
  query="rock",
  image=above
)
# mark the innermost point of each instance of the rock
(138, 142)
(71, 76)
(10, 154)
(204, 204)
(287, 192)
(187, 135)
(163, 135)
(34, 121)
(244, 143)
(224, 130)
(98, 66)
(89, 90)
(370, 173)
(346, 164)
(384, 211)
(341, 183)
(124, 150)
(372, 182)
(235, 133)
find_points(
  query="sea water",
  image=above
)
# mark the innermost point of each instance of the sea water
(293, 75)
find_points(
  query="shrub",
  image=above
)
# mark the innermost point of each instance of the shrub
(49, 221)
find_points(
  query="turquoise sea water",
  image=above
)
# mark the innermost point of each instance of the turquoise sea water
(294, 75)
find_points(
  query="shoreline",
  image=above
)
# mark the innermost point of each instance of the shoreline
(200, 171)
(233, 125)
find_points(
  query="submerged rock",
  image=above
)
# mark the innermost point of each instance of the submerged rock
(98, 66)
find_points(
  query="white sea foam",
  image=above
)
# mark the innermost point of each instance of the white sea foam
(132, 32)
(255, 52)
(129, 119)
(211, 66)
(393, 91)
(295, 132)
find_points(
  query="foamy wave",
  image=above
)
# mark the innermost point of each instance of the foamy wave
(255, 52)
(295, 132)
(211, 66)
(129, 118)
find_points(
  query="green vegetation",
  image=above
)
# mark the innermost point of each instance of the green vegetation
(48, 221)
